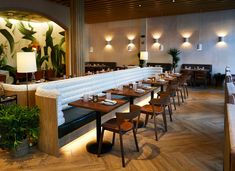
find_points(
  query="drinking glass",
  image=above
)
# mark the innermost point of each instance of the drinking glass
(134, 86)
(108, 95)
(85, 97)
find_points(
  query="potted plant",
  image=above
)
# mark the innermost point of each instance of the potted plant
(175, 56)
(19, 128)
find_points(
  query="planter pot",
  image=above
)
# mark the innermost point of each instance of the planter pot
(39, 75)
(50, 74)
(21, 150)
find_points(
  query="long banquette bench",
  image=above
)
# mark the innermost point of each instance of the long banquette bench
(229, 124)
(59, 122)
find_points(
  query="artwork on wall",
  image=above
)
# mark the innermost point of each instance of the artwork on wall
(47, 39)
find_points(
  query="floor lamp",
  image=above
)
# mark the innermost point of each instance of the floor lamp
(26, 63)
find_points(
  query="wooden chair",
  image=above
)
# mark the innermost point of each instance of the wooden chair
(175, 86)
(201, 77)
(121, 125)
(156, 107)
(184, 85)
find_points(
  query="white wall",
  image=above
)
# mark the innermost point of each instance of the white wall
(171, 29)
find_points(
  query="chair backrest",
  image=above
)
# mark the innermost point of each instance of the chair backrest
(160, 101)
(128, 116)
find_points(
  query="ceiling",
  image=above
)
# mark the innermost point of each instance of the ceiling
(113, 10)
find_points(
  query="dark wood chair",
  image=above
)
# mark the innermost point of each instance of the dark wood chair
(154, 108)
(122, 124)
(177, 89)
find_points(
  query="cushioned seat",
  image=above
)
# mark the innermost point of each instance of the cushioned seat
(74, 119)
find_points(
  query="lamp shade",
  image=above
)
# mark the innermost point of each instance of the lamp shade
(143, 55)
(26, 62)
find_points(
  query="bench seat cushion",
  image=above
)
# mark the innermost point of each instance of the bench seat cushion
(74, 119)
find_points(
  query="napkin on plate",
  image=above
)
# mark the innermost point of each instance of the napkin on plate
(109, 102)
(162, 80)
(139, 90)
(147, 87)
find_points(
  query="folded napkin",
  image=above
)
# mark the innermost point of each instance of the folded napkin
(147, 87)
(139, 91)
(162, 80)
(109, 102)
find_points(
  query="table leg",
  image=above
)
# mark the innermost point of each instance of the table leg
(131, 100)
(92, 146)
(162, 88)
(152, 94)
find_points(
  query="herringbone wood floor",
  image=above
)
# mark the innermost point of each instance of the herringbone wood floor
(194, 142)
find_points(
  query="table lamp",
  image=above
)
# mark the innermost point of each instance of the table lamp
(143, 57)
(26, 63)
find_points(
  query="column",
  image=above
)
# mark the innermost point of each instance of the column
(77, 37)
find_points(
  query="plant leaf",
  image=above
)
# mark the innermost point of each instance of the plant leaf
(8, 23)
(28, 34)
(9, 38)
(49, 40)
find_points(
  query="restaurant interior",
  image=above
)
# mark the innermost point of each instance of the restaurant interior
(117, 85)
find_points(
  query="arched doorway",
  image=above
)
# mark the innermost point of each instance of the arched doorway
(27, 31)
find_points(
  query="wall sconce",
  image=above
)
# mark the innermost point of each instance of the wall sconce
(155, 40)
(108, 42)
(130, 45)
(220, 39)
(186, 40)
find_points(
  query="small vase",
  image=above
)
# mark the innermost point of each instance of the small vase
(21, 150)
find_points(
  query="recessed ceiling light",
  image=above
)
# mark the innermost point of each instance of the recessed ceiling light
(173, 0)
(139, 5)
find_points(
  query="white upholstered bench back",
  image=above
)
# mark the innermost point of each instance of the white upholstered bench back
(230, 93)
(69, 90)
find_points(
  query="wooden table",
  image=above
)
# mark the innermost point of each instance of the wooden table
(156, 83)
(100, 109)
(131, 93)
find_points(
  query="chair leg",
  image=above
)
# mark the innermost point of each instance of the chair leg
(113, 141)
(146, 120)
(122, 150)
(136, 143)
(164, 119)
(155, 126)
(184, 91)
(170, 111)
(177, 92)
(174, 102)
(100, 142)
(186, 87)
(182, 97)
